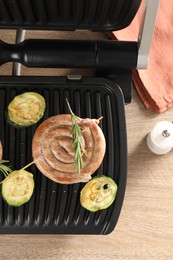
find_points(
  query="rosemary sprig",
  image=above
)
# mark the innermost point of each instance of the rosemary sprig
(5, 169)
(76, 132)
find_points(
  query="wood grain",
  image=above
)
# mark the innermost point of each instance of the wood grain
(145, 227)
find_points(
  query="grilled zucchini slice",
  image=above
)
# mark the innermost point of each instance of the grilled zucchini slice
(99, 193)
(26, 109)
(18, 187)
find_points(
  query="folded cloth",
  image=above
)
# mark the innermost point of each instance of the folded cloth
(155, 84)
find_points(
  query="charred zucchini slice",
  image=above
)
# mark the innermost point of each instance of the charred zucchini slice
(26, 109)
(18, 187)
(99, 193)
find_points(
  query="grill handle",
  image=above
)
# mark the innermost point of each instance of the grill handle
(71, 54)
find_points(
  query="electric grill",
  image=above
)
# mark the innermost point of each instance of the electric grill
(55, 208)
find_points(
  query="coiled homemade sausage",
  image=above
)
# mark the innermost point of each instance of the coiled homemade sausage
(53, 152)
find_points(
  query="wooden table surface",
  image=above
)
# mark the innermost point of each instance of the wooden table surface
(145, 227)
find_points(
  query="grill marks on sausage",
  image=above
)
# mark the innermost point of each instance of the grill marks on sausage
(53, 153)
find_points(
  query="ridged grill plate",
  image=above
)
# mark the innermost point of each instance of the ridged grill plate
(98, 15)
(55, 208)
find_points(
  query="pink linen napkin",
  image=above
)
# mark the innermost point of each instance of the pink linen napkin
(155, 84)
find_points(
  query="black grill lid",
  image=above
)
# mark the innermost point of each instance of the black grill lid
(96, 15)
(55, 208)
